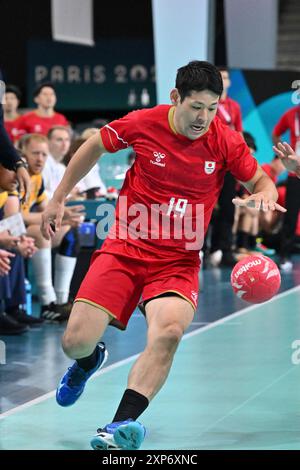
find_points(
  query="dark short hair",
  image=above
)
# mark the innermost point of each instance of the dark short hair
(39, 88)
(249, 139)
(198, 75)
(13, 89)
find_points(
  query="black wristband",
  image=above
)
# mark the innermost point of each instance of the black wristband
(21, 164)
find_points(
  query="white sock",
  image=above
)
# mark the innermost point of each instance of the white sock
(64, 269)
(41, 262)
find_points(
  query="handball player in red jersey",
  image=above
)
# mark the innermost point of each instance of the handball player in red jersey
(151, 255)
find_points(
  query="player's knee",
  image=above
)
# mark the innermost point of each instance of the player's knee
(170, 335)
(74, 345)
(174, 332)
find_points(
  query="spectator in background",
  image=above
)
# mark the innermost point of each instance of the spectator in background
(222, 227)
(91, 185)
(40, 120)
(59, 139)
(12, 285)
(274, 169)
(229, 110)
(9, 157)
(11, 115)
(290, 121)
(288, 157)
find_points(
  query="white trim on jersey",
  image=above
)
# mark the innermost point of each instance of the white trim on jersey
(118, 137)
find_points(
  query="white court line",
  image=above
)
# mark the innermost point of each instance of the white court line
(132, 358)
(53, 392)
(252, 397)
(239, 313)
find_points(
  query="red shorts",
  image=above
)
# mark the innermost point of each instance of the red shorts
(118, 281)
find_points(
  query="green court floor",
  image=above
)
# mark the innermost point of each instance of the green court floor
(233, 385)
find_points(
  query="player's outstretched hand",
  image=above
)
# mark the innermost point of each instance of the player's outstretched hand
(258, 201)
(288, 157)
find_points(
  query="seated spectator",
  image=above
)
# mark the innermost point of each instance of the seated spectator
(54, 299)
(12, 283)
(44, 116)
(5, 262)
(59, 140)
(91, 185)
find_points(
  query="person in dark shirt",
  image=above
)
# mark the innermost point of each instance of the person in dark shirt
(9, 157)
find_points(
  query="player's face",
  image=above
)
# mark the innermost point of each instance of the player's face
(36, 155)
(8, 179)
(195, 113)
(59, 144)
(11, 103)
(46, 98)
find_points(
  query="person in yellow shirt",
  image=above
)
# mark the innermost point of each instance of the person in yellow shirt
(13, 316)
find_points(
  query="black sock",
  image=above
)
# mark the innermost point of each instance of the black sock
(132, 405)
(87, 363)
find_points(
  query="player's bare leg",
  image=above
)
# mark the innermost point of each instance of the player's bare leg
(86, 326)
(168, 318)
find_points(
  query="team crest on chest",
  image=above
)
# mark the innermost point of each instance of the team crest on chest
(209, 167)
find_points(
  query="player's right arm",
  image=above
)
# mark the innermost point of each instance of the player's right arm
(81, 163)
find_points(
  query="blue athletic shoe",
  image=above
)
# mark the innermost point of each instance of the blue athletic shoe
(73, 382)
(121, 435)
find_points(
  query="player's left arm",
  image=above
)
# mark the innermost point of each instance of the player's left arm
(264, 193)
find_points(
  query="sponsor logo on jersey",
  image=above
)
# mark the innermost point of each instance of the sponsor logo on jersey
(158, 159)
(209, 167)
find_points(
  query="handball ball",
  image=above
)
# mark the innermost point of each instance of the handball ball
(255, 278)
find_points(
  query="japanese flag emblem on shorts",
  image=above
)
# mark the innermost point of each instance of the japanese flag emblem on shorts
(209, 167)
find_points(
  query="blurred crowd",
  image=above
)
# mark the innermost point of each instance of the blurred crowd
(47, 142)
